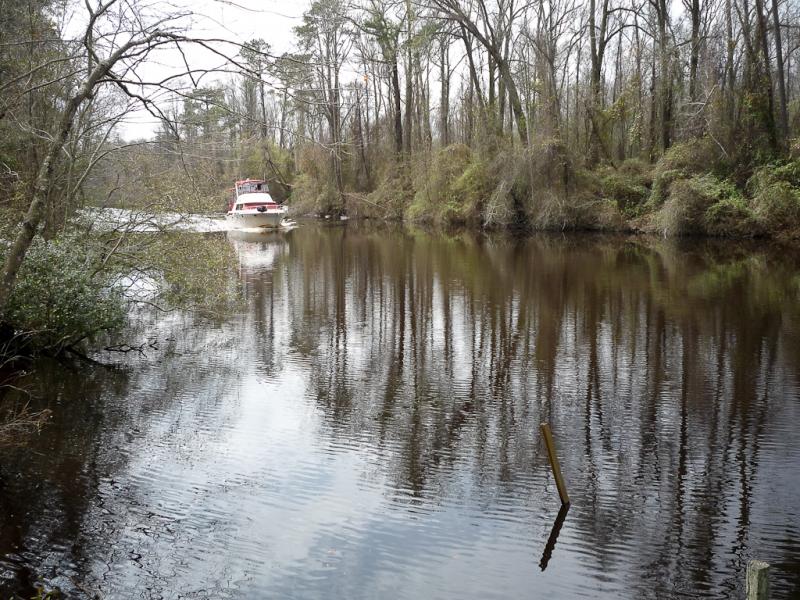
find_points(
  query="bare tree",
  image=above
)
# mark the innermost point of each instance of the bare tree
(118, 40)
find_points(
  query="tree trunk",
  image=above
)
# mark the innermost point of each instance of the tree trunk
(769, 117)
(359, 134)
(407, 125)
(470, 113)
(665, 89)
(730, 74)
(398, 111)
(694, 13)
(597, 48)
(282, 139)
(516, 104)
(444, 99)
(475, 82)
(783, 124)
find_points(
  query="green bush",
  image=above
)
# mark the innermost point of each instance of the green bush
(777, 206)
(684, 212)
(310, 195)
(314, 191)
(604, 216)
(681, 161)
(662, 183)
(626, 189)
(641, 171)
(471, 190)
(691, 157)
(392, 196)
(539, 181)
(775, 188)
(56, 301)
(731, 217)
(189, 270)
(435, 199)
(785, 172)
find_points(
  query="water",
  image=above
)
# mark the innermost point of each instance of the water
(366, 426)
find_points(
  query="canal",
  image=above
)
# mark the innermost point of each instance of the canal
(363, 422)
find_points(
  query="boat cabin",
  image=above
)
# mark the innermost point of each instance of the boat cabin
(251, 194)
(251, 186)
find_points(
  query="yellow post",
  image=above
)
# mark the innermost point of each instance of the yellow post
(551, 453)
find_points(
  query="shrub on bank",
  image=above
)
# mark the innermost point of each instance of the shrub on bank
(472, 190)
(691, 157)
(777, 206)
(392, 196)
(625, 186)
(682, 160)
(540, 179)
(775, 189)
(435, 199)
(312, 196)
(731, 217)
(314, 189)
(56, 301)
(704, 204)
(690, 190)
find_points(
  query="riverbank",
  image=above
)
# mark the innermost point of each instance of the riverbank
(692, 190)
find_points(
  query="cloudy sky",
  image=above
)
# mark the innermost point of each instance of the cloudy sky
(239, 20)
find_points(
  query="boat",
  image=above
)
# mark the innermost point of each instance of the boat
(252, 207)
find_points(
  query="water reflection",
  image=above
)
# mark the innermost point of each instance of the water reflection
(551, 541)
(368, 427)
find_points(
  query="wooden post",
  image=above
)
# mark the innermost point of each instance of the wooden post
(757, 580)
(551, 453)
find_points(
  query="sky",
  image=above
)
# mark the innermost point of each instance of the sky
(238, 20)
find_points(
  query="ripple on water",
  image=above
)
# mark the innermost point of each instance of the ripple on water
(350, 434)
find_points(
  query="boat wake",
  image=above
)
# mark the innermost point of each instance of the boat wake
(111, 219)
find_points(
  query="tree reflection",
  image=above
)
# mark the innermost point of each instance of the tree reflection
(665, 361)
(667, 373)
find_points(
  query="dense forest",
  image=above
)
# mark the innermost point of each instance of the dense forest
(618, 115)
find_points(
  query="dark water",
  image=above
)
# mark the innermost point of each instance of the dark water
(366, 426)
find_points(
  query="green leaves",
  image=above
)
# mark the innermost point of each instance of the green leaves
(56, 301)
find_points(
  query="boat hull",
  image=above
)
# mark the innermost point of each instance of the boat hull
(270, 219)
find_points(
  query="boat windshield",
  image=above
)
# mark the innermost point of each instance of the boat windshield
(254, 205)
(252, 187)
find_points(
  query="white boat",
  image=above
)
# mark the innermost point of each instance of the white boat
(252, 207)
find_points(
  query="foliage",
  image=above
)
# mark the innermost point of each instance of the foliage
(691, 157)
(565, 198)
(192, 270)
(731, 217)
(627, 187)
(72, 288)
(435, 198)
(700, 204)
(775, 188)
(314, 189)
(777, 206)
(57, 300)
(471, 190)
(787, 172)
(662, 183)
(606, 216)
(391, 197)
(683, 160)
